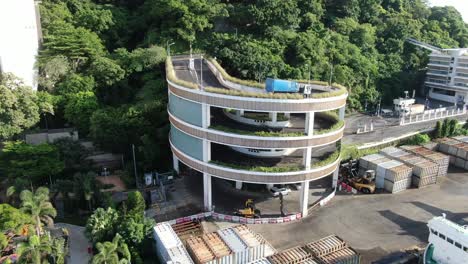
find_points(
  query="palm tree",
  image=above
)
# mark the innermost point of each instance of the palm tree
(115, 252)
(38, 206)
(34, 249)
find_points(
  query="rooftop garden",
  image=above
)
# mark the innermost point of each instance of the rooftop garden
(170, 73)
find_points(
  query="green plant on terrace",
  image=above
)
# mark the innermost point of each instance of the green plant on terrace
(259, 168)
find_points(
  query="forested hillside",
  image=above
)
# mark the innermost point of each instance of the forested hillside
(102, 60)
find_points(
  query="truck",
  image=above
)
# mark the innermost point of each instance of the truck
(281, 86)
(285, 86)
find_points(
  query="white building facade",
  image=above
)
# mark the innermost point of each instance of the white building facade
(447, 76)
(19, 39)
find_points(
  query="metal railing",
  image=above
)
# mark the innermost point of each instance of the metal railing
(431, 115)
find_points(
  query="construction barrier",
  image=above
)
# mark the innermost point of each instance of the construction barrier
(327, 199)
(237, 219)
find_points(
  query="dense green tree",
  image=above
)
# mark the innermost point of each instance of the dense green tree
(75, 83)
(71, 152)
(102, 224)
(78, 45)
(106, 71)
(19, 108)
(135, 205)
(12, 218)
(36, 163)
(183, 18)
(53, 70)
(112, 252)
(79, 109)
(134, 232)
(37, 205)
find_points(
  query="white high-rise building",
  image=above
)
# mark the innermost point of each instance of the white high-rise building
(19, 39)
(447, 75)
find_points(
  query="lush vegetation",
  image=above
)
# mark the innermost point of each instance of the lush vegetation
(273, 169)
(25, 232)
(257, 133)
(102, 63)
(450, 128)
(123, 233)
(328, 160)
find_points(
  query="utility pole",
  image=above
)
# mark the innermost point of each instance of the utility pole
(134, 165)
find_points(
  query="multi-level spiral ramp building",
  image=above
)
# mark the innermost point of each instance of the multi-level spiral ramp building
(235, 130)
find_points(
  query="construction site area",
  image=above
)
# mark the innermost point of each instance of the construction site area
(201, 242)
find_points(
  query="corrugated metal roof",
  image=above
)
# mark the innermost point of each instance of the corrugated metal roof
(232, 240)
(167, 235)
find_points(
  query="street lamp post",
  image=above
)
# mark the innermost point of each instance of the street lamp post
(168, 47)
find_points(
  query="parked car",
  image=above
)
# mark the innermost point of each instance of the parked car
(275, 191)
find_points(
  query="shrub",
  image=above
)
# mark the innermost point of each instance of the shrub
(258, 168)
(257, 133)
(418, 139)
(328, 160)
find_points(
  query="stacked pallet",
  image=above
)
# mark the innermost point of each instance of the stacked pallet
(333, 250)
(391, 175)
(441, 159)
(344, 256)
(187, 229)
(424, 171)
(458, 151)
(199, 251)
(217, 246)
(291, 256)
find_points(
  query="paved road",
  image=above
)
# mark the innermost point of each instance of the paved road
(378, 224)
(383, 128)
(78, 244)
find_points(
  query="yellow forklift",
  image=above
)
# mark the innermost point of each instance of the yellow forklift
(249, 211)
(349, 175)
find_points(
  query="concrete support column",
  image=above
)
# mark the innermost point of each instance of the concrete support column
(269, 186)
(273, 116)
(304, 199)
(206, 115)
(309, 123)
(287, 115)
(306, 158)
(335, 177)
(207, 202)
(238, 185)
(206, 150)
(341, 113)
(175, 162)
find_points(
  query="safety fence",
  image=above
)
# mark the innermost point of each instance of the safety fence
(264, 220)
(237, 219)
(431, 115)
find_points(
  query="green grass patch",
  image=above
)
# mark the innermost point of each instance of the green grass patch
(258, 168)
(257, 133)
(328, 160)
